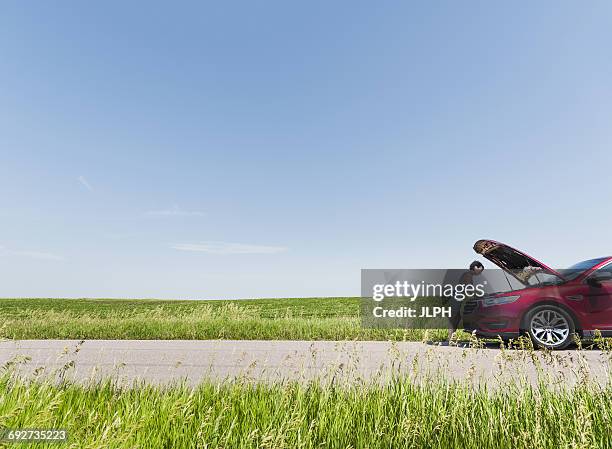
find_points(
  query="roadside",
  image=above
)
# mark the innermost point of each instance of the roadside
(150, 319)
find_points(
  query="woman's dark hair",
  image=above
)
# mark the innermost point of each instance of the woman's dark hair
(476, 264)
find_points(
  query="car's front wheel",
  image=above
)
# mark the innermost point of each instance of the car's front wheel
(550, 327)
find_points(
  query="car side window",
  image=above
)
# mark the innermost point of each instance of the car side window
(606, 270)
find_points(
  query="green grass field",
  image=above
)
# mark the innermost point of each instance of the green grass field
(242, 415)
(261, 319)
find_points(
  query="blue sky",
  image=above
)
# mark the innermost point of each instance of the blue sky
(249, 149)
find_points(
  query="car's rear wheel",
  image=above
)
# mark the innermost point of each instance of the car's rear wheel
(550, 327)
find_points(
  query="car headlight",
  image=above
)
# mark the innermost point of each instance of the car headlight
(495, 301)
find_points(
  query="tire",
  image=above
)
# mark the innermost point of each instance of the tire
(550, 327)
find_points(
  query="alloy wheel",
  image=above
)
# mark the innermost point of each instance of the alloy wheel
(549, 328)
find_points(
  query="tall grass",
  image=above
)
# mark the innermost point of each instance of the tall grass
(400, 414)
(290, 319)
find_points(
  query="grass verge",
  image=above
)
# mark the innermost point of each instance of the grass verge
(291, 415)
(257, 319)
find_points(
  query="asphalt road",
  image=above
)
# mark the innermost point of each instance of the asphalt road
(167, 361)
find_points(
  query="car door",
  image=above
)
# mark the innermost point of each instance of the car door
(598, 289)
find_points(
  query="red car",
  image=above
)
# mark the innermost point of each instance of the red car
(550, 306)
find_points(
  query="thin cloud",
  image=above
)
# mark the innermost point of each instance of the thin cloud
(85, 183)
(175, 211)
(228, 248)
(40, 255)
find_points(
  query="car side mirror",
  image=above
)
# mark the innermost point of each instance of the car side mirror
(596, 279)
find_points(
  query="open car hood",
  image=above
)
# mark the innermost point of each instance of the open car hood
(512, 261)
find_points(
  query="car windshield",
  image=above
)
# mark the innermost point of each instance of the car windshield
(577, 269)
(544, 279)
(501, 281)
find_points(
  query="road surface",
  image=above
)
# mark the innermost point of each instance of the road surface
(167, 361)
